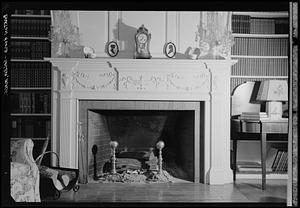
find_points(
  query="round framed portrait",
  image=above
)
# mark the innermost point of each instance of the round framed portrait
(112, 49)
(170, 50)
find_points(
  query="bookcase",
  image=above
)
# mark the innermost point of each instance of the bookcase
(30, 92)
(261, 48)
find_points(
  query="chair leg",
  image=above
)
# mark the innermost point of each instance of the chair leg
(234, 145)
(263, 159)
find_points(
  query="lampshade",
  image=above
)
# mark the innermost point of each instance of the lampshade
(273, 90)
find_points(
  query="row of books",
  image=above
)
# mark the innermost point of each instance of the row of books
(260, 67)
(253, 25)
(236, 81)
(30, 102)
(280, 162)
(30, 74)
(269, 26)
(31, 12)
(253, 115)
(240, 23)
(276, 162)
(260, 46)
(30, 127)
(282, 26)
(30, 27)
(30, 49)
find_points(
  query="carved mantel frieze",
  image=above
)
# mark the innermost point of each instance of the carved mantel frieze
(162, 81)
(131, 75)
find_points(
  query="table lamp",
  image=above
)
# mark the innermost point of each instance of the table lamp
(273, 92)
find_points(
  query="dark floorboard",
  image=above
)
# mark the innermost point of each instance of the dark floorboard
(243, 191)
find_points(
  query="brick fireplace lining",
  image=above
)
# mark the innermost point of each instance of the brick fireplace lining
(91, 113)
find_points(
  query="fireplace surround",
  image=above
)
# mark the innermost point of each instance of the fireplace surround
(146, 84)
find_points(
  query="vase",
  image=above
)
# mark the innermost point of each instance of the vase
(213, 52)
(63, 50)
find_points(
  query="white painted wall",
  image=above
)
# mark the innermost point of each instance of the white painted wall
(99, 27)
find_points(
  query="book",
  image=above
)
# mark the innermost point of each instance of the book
(282, 160)
(262, 114)
(284, 166)
(14, 130)
(248, 164)
(252, 169)
(276, 161)
(253, 115)
(251, 166)
(271, 155)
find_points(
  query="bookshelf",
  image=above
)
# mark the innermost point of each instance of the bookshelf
(261, 48)
(30, 92)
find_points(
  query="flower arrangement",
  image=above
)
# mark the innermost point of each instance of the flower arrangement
(214, 35)
(63, 34)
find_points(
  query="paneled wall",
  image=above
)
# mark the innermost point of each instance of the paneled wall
(99, 27)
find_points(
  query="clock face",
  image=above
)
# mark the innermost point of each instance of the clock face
(142, 38)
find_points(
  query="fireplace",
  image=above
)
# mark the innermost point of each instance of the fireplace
(137, 129)
(196, 90)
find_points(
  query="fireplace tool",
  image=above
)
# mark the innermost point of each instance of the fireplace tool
(94, 151)
(81, 144)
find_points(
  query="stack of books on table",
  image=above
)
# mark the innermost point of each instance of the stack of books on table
(253, 116)
(251, 167)
(276, 162)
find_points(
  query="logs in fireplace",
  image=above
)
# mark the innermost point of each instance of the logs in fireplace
(133, 166)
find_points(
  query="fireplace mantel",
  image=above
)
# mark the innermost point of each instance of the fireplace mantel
(144, 79)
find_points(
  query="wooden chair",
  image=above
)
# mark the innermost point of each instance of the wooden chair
(242, 100)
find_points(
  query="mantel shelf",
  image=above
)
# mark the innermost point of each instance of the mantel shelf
(141, 65)
(127, 60)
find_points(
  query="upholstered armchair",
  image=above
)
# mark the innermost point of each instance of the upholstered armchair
(24, 173)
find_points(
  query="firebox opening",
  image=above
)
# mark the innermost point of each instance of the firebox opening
(137, 132)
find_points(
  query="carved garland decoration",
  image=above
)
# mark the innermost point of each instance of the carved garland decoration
(141, 84)
(111, 77)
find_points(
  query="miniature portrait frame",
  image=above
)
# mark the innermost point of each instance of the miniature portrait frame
(170, 50)
(112, 48)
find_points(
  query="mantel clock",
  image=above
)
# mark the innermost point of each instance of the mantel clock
(142, 40)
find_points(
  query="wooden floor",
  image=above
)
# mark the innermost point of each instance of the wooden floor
(243, 191)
